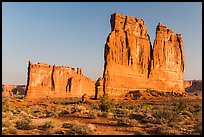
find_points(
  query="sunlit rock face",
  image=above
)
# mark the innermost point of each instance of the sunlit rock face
(56, 81)
(131, 63)
(168, 62)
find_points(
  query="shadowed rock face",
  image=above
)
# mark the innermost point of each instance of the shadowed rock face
(57, 81)
(11, 90)
(193, 85)
(131, 63)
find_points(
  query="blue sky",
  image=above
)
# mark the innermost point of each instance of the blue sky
(74, 34)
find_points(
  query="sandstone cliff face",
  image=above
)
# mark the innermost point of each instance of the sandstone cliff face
(56, 81)
(127, 54)
(168, 59)
(131, 63)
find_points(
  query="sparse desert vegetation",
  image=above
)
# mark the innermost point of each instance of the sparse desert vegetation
(161, 115)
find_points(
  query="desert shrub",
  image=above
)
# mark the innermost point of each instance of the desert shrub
(163, 130)
(5, 104)
(64, 112)
(137, 116)
(77, 129)
(5, 107)
(187, 123)
(12, 130)
(181, 106)
(80, 109)
(127, 122)
(67, 125)
(47, 132)
(7, 117)
(36, 111)
(144, 118)
(19, 97)
(106, 114)
(198, 128)
(54, 114)
(141, 132)
(9, 131)
(165, 116)
(5, 122)
(119, 111)
(27, 112)
(50, 114)
(60, 132)
(150, 119)
(123, 106)
(15, 110)
(196, 108)
(46, 125)
(105, 104)
(41, 115)
(23, 114)
(93, 114)
(145, 107)
(5, 131)
(187, 113)
(171, 124)
(149, 125)
(95, 106)
(67, 102)
(24, 124)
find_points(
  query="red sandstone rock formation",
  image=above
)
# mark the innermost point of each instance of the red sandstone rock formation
(131, 63)
(127, 54)
(99, 88)
(167, 65)
(10, 90)
(57, 81)
(193, 85)
(7, 90)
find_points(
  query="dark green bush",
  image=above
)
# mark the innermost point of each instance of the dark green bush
(64, 112)
(162, 130)
(128, 122)
(105, 104)
(46, 125)
(181, 106)
(5, 107)
(67, 125)
(165, 116)
(24, 125)
(141, 132)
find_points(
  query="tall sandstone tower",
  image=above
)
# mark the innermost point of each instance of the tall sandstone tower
(132, 64)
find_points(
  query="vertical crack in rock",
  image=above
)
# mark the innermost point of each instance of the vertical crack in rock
(127, 48)
(28, 75)
(69, 84)
(181, 51)
(150, 59)
(52, 79)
